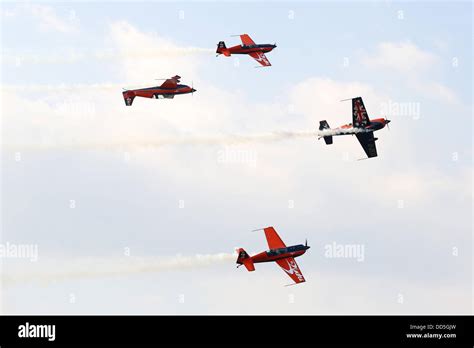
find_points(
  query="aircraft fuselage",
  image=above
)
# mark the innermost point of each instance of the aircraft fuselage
(374, 125)
(246, 49)
(280, 253)
(154, 92)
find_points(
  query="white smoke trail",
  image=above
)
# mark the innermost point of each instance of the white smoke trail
(73, 57)
(45, 88)
(228, 139)
(99, 268)
(339, 131)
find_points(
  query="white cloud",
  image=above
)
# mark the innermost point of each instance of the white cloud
(416, 66)
(262, 292)
(46, 16)
(400, 56)
(320, 99)
(436, 90)
(7, 13)
(50, 20)
(145, 56)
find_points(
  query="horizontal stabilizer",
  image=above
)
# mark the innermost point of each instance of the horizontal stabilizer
(328, 139)
(248, 263)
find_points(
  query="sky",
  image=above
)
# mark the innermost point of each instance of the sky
(138, 210)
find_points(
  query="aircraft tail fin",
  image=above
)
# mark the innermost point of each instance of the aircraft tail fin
(322, 126)
(244, 259)
(222, 49)
(128, 97)
(360, 118)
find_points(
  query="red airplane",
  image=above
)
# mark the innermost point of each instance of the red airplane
(361, 126)
(278, 252)
(167, 90)
(249, 47)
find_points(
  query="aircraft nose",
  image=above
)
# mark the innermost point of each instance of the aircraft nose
(388, 121)
(193, 90)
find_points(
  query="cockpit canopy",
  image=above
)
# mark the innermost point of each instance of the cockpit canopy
(276, 252)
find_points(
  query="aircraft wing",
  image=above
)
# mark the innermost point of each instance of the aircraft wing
(367, 141)
(260, 57)
(171, 83)
(291, 268)
(273, 239)
(246, 40)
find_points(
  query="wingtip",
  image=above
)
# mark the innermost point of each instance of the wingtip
(350, 99)
(262, 229)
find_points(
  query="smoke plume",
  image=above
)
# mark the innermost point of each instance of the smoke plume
(98, 268)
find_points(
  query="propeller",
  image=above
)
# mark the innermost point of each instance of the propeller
(192, 88)
(306, 242)
(387, 122)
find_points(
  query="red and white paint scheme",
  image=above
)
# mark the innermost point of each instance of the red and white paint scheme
(256, 51)
(281, 254)
(167, 90)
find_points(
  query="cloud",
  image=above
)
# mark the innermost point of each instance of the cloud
(7, 13)
(325, 292)
(320, 98)
(147, 55)
(400, 56)
(49, 20)
(438, 91)
(46, 17)
(416, 65)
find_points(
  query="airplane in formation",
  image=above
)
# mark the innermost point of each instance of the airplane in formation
(281, 254)
(256, 51)
(362, 127)
(167, 90)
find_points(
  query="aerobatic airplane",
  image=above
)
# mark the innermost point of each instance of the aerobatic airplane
(249, 47)
(167, 90)
(362, 127)
(278, 252)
